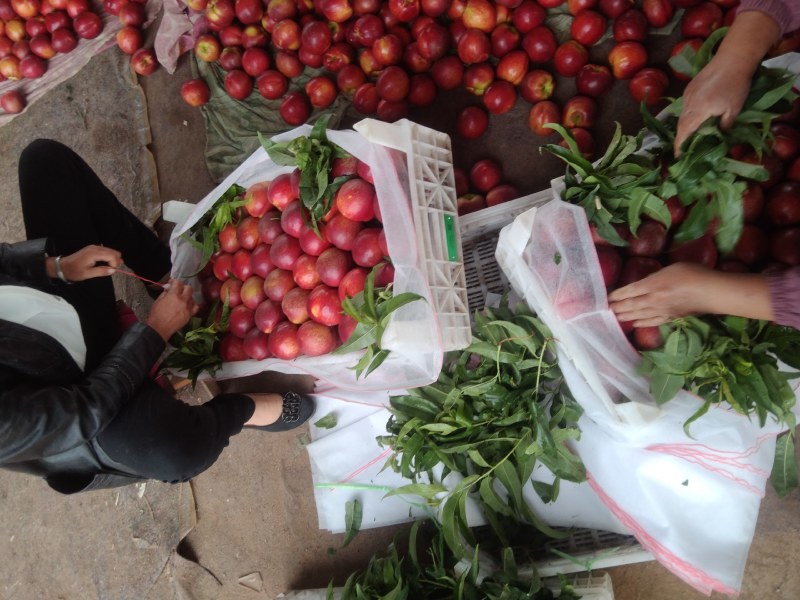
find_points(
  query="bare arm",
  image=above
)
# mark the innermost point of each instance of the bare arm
(720, 89)
(688, 289)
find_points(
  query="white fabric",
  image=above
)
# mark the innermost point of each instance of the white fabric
(347, 463)
(46, 313)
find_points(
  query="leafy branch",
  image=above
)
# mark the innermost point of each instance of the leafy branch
(499, 407)
(204, 235)
(439, 574)
(629, 181)
(197, 346)
(732, 360)
(313, 155)
(371, 309)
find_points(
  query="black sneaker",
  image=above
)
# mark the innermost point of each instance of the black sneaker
(297, 409)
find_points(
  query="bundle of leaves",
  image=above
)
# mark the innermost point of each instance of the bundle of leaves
(372, 309)
(498, 408)
(313, 155)
(441, 575)
(634, 178)
(196, 346)
(736, 361)
(204, 234)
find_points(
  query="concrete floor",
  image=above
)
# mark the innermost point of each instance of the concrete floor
(247, 527)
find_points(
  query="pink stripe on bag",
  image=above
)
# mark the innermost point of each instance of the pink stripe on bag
(693, 453)
(366, 466)
(697, 578)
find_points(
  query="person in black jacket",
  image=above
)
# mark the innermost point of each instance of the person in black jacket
(77, 404)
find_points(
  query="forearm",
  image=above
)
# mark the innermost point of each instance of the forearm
(748, 40)
(737, 294)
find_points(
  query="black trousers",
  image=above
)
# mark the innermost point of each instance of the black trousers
(154, 436)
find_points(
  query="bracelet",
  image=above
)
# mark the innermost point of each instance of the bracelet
(60, 271)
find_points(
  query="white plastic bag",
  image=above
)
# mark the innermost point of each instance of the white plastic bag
(692, 502)
(413, 335)
(347, 463)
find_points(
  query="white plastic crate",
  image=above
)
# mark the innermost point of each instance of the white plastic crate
(589, 586)
(429, 159)
(479, 231)
(588, 548)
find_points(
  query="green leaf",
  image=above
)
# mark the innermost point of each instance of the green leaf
(376, 361)
(353, 513)
(784, 468)
(728, 198)
(570, 155)
(441, 428)
(415, 406)
(696, 223)
(492, 499)
(704, 54)
(425, 490)
(743, 169)
(385, 309)
(362, 337)
(666, 135)
(326, 422)
(450, 528)
(697, 414)
(682, 62)
(664, 386)
(507, 475)
(476, 457)
(767, 100)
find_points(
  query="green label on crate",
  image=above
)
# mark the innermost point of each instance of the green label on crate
(450, 234)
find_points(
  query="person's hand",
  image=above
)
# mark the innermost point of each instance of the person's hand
(685, 289)
(83, 264)
(172, 309)
(675, 291)
(719, 90)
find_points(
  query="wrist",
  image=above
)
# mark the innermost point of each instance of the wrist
(165, 335)
(50, 267)
(55, 269)
(59, 270)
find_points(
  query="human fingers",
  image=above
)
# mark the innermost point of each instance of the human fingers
(184, 293)
(651, 321)
(639, 307)
(104, 254)
(89, 262)
(688, 122)
(631, 290)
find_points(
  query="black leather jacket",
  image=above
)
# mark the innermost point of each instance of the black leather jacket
(50, 411)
